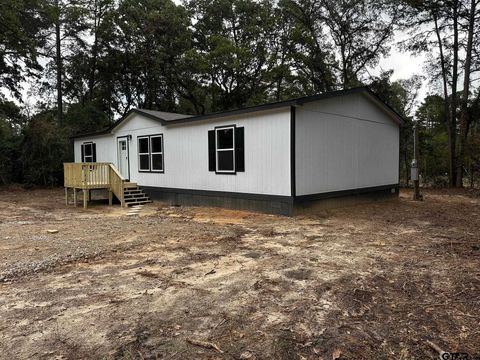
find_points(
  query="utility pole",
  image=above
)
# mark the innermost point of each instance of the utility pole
(414, 169)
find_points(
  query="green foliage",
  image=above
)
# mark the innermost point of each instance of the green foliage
(43, 150)
(85, 118)
(11, 121)
(433, 149)
(309, 51)
(431, 113)
(151, 37)
(20, 22)
(333, 43)
(237, 53)
(433, 140)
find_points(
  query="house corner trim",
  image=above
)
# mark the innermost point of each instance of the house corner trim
(292, 151)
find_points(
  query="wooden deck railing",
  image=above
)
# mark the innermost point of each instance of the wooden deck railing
(88, 176)
(117, 184)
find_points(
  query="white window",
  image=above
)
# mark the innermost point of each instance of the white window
(156, 152)
(225, 149)
(150, 153)
(88, 152)
(143, 153)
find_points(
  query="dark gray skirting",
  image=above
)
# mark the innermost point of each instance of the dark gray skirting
(272, 204)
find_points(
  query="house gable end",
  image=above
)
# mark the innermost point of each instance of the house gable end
(136, 120)
(363, 106)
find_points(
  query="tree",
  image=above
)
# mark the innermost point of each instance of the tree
(44, 148)
(472, 30)
(11, 122)
(450, 27)
(65, 33)
(433, 140)
(310, 51)
(147, 41)
(338, 41)
(238, 51)
(20, 23)
(88, 78)
(472, 153)
(82, 69)
(360, 30)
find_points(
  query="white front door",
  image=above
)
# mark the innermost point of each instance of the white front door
(122, 162)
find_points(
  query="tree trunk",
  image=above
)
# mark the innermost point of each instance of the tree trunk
(453, 110)
(464, 115)
(471, 176)
(213, 97)
(416, 182)
(451, 137)
(344, 66)
(93, 61)
(58, 60)
(406, 162)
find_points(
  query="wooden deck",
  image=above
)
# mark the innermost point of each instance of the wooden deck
(91, 176)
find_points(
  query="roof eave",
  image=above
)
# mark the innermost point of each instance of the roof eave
(393, 113)
(97, 133)
(276, 105)
(218, 115)
(118, 122)
(363, 89)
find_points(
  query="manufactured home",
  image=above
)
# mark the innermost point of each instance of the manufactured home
(280, 157)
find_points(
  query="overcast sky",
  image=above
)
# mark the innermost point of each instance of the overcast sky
(405, 66)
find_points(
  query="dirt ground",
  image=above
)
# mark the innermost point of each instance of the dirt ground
(382, 281)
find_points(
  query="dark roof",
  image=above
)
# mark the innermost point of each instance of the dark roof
(166, 118)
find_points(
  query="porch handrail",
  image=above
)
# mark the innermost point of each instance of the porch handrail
(86, 175)
(95, 176)
(117, 184)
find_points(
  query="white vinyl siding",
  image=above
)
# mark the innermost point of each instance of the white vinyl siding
(185, 153)
(345, 143)
(106, 148)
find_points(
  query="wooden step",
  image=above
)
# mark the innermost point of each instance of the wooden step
(132, 198)
(132, 191)
(132, 195)
(138, 202)
(140, 198)
(127, 200)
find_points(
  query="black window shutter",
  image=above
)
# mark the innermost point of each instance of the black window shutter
(94, 152)
(239, 149)
(211, 150)
(82, 147)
